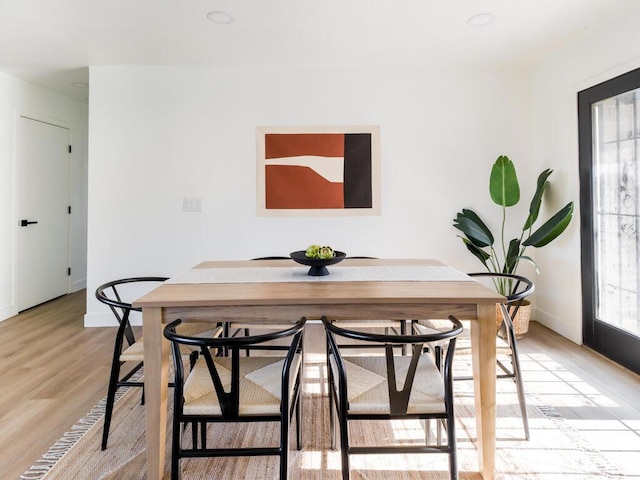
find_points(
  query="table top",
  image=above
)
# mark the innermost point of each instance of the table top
(303, 293)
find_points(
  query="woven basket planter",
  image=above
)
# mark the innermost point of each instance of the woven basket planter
(521, 320)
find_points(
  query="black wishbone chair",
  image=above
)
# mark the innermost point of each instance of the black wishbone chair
(518, 288)
(364, 387)
(235, 388)
(118, 295)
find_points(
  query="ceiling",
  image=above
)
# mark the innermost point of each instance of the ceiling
(51, 42)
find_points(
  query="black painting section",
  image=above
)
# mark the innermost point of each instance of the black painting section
(357, 171)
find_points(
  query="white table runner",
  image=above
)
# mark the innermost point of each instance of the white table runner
(336, 274)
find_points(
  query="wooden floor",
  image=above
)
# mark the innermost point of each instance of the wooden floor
(53, 370)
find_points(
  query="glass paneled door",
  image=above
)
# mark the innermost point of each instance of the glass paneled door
(609, 129)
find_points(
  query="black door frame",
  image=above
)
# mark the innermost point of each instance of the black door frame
(614, 343)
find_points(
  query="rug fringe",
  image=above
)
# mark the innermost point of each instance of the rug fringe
(59, 449)
(600, 461)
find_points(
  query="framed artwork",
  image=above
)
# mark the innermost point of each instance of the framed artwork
(318, 171)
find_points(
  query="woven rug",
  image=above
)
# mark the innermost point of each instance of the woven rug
(555, 450)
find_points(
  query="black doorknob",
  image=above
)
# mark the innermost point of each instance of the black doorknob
(24, 223)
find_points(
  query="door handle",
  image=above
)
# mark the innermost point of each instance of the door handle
(24, 223)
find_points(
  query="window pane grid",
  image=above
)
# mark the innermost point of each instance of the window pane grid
(616, 132)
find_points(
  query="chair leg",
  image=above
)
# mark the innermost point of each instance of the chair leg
(517, 376)
(344, 449)
(111, 397)
(176, 473)
(299, 404)
(284, 446)
(451, 442)
(299, 422)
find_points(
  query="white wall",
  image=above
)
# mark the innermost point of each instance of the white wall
(158, 134)
(17, 98)
(593, 59)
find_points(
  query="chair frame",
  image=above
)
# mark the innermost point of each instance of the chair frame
(521, 287)
(121, 310)
(229, 401)
(338, 396)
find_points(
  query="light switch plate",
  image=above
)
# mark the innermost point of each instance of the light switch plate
(193, 204)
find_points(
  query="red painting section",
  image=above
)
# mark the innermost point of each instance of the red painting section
(280, 145)
(294, 187)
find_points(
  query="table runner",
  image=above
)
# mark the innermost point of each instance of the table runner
(336, 274)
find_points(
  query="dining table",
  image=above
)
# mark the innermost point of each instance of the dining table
(355, 289)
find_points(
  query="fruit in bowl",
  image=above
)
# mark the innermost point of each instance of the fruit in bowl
(316, 251)
(318, 258)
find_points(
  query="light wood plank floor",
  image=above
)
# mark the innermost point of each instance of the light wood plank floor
(53, 370)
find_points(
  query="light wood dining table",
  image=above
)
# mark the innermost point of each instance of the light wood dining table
(262, 301)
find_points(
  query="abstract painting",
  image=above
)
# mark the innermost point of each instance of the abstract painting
(318, 171)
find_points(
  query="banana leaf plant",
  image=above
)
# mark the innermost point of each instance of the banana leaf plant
(505, 192)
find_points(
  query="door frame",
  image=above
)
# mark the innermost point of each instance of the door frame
(614, 343)
(56, 122)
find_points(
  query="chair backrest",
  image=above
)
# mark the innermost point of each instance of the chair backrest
(116, 295)
(515, 287)
(398, 399)
(229, 401)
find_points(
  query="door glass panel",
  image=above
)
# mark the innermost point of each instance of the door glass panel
(616, 240)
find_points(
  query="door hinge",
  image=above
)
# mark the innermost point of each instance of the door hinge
(69, 271)
(69, 209)
(69, 148)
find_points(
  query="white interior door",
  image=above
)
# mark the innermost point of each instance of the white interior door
(42, 202)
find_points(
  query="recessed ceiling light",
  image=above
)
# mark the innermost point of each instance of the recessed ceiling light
(480, 20)
(219, 17)
(80, 84)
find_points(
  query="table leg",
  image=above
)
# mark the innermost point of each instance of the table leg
(483, 347)
(156, 362)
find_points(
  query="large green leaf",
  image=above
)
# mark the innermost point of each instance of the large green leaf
(477, 252)
(534, 208)
(551, 229)
(503, 182)
(476, 231)
(511, 261)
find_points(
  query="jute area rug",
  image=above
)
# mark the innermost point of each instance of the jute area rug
(555, 450)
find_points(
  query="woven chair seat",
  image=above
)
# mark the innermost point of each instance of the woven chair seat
(463, 344)
(260, 386)
(368, 389)
(135, 352)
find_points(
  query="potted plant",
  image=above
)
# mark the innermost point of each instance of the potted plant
(505, 192)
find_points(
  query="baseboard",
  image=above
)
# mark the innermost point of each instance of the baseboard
(78, 285)
(8, 312)
(559, 326)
